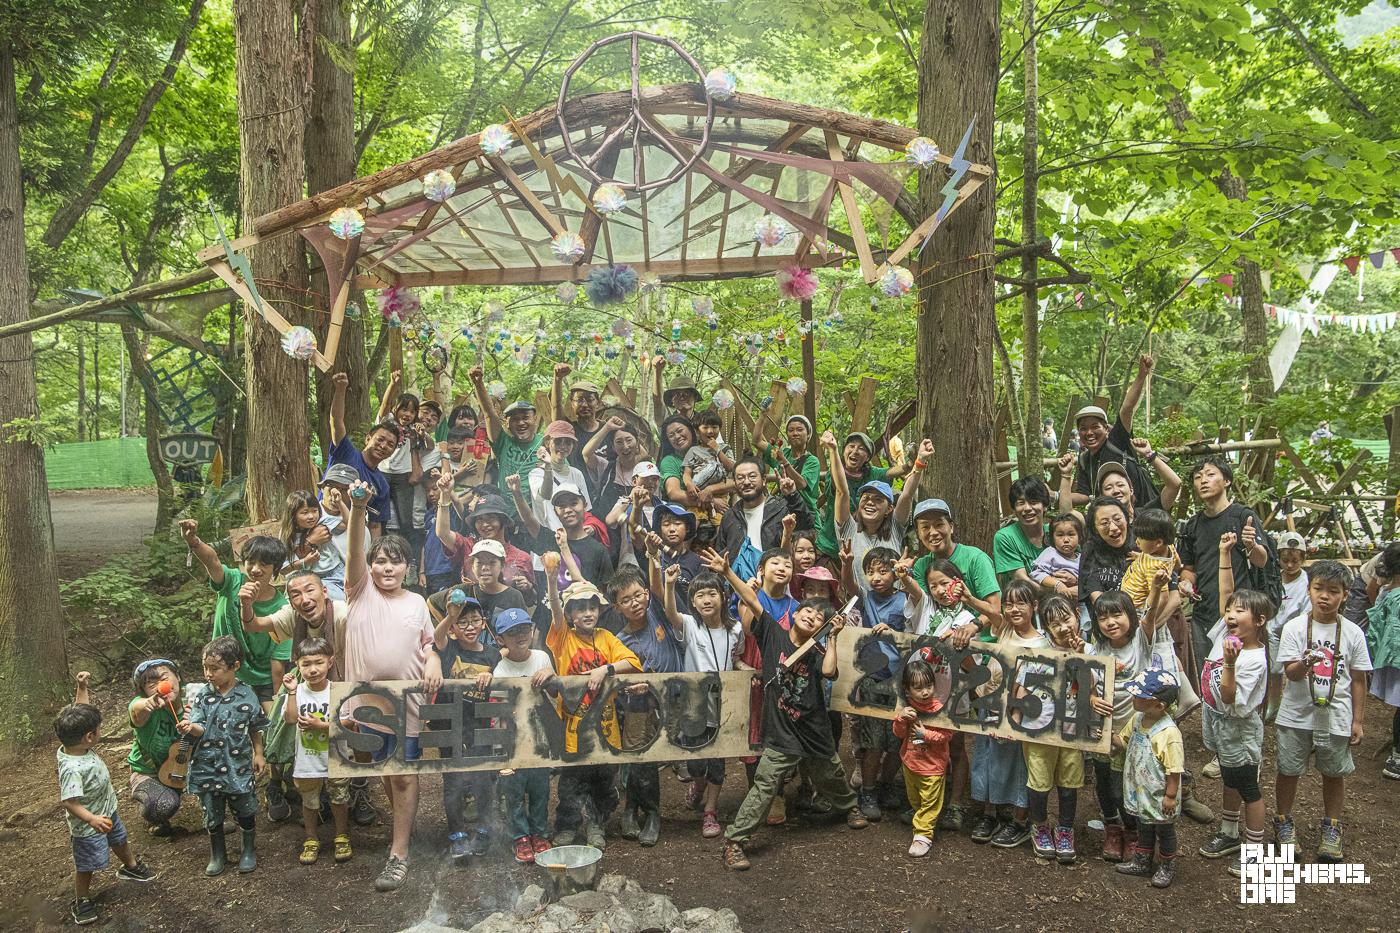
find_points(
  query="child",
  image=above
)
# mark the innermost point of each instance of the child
(227, 718)
(881, 610)
(436, 568)
(465, 656)
(1057, 567)
(308, 534)
(802, 546)
(1053, 767)
(923, 749)
(1383, 642)
(554, 473)
(526, 790)
(90, 802)
(487, 563)
(878, 518)
(585, 558)
(816, 583)
(1233, 686)
(1153, 761)
(796, 728)
(709, 463)
(775, 577)
(1154, 532)
(308, 708)
(153, 714)
(1291, 550)
(1325, 661)
(676, 527)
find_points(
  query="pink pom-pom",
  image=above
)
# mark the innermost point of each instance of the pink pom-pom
(1233, 641)
(796, 283)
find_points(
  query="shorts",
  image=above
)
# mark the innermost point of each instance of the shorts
(411, 751)
(264, 692)
(337, 791)
(91, 853)
(1051, 766)
(1295, 745)
(875, 734)
(1236, 741)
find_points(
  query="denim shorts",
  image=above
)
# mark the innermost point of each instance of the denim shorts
(91, 853)
(411, 751)
(1295, 745)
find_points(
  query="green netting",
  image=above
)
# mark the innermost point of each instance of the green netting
(99, 464)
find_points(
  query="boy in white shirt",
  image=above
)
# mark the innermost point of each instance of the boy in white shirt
(1291, 549)
(307, 707)
(1325, 661)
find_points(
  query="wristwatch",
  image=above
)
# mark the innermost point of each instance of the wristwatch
(611, 670)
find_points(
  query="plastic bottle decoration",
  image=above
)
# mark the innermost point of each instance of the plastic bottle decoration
(496, 139)
(675, 330)
(567, 246)
(921, 151)
(675, 356)
(353, 312)
(896, 281)
(712, 321)
(497, 390)
(609, 199)
(299, 343)
(630, 343)
(610, 285)
(439, 185)
(702, 305)
(495, 312)
(796, 283)
(347, 223)
(566, 293)
(649, 281)
(797, 386)
(720, 84)
(771, 230)
(723, 399)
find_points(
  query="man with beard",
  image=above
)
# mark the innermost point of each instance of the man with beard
(755, 523)
(580, 408)
(380, 442)
(1102, 444)
(856, 454)
(513, 443)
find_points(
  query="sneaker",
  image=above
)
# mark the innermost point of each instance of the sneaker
(595, 837)
(1212, 769)
(777, 813)
(481, 842)
(709, 825)
(868, 805)
(1011, 835)
(393, 875)
(1064, 845)
(1391, 768)
(524, 851)
(540, 844)
(1042, 843)
(459, 846)
(83, 911)
(1329, 847)
(919, 847)
(361, 810)
(695, 795)
(138, 872)
(1220, 845)
(734, 857)
(856, 820)
(1139, 865)
(1162, 878)
(950, 819)
(986, 828)
(1284, 833)
(1236, 867)
(278, 807)
(161, 830)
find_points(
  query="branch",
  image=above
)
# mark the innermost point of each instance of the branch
(1321, 65)
(140, 293)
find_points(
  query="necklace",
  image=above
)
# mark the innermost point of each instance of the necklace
(1312, 678)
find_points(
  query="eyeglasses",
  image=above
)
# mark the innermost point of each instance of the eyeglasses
(633, 600)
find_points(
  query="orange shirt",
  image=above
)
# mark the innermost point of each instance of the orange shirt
(573, 656)
(928, 757)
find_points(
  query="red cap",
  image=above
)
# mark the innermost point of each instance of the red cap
(559, 429)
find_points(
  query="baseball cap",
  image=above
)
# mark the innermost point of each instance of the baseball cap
(644, 469)
(491, 547)
(932, 505)
(488, 505)
(864, 439)
(670, 508)
(341, 473)
(514, 407)
(1091, 411)
(565, 488)
(1291, 539)
(1154, 684)
(508, 619)
(1107, 469)
(561, 428)
(878, 486)
(581, 591)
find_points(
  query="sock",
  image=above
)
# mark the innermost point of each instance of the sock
(1230, 823)
(1253, 836)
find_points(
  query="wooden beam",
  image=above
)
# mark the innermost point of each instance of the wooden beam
(693, 269)
(265, 311)
(864, 404)
(527, 197)
(852, 209)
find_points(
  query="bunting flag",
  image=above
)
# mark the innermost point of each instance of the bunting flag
(1352, 263)
(1357, 323)
(1377, 259)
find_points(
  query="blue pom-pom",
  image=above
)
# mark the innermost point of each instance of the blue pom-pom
(611, 285)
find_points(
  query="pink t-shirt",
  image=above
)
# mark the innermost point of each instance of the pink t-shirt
(387, 637)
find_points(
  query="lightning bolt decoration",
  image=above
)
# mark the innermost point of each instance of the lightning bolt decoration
(959, 166)
(235, 261)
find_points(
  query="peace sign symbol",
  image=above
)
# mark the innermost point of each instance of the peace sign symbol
(637, 123)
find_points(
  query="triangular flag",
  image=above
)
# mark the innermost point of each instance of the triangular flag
(1395, 252)
(1305, 269)
(1352, 263)
(1377, 258)
(1228, 280)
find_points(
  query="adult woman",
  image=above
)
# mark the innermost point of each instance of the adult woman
(1106, 548)
(795, 461)
(677, 437)
(1015, 547)
(879, 519)
(624, 450)
(153, 715)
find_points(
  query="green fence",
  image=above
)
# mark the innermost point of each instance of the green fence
(99, 464)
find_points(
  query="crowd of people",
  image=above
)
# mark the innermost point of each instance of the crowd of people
(505, 542)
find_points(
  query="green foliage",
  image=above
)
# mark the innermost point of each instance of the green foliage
(36, 431)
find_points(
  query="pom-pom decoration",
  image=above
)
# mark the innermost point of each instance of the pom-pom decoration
(609, 199)
(567, 246)
(347, 223)
(495, 312)
(796, 283)
(720, 84)
(397, 304)
(610, 285)
(496, 139)
(771, 230)
(435, 359)
(702, 305)
(797, 386)
(566, 293)
(723, 399)
(497, 390)
(299, 343)
(439, 185)
(896, 281)
(921, 151)
(1233, 641)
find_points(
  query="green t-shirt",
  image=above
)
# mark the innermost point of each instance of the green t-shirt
(671, 465)
(972, 563)
(827, 542)
(810, 469)
(259, 648)
(152, 741)
(84, 778)
(515, 459)
(1012, 551)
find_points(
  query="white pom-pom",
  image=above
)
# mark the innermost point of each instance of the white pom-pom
(771, 230)
(347, 223)
(609, 199)
(566, 293)
(797, 386)
(496, 139)
(702, 305)
(723, 399)
(299, 343)
(720, 84)
(497, 390)
(567, 246)
(896, 281)
(921, 151)
(439, 185)
(495, 312)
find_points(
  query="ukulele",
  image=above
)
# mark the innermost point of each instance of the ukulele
(175, 771)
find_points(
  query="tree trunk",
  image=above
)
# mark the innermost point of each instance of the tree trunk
(330, 161)
(150, 423)
(958, 64)
(271, 100)
(33, 657)
(82, 386)
(1028, 454)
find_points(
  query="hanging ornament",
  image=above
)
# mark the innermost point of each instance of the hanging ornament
(566, 293)
(921, 151)
(497, 390)
(494, 311)
(649, 281)
(567, 246)
(397, 304)
(609, 352)
(496, 139)
(723, 399)
(896, 281)
(299, 343)
(610, 285)
(439, 185)
(675, 330)
(352, 310)
(630, 343)
(675, 356)
(621, 328)
(712, 321)
(771, 230)
(797, 386)
(702, 305)
(435, 359)
(720, 84)
(796, 283)
(347, 223)
(609, 199)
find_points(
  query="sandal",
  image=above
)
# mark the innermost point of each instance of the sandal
(310, 850)
(343, 852)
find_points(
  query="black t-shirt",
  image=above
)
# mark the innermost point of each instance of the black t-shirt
(794, 702)
(690, 565)
(1117, 449)
(1199, 547)
(594, 561)
(460, 663)
(576, 458)
(491, 603)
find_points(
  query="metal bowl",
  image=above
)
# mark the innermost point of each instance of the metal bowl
(571, 868)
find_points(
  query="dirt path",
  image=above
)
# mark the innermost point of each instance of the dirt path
(90, 525)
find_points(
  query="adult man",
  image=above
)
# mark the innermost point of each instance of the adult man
(1102, 444)
(380, 442)
(680, 397)
(856, 453)
(1016, 546)
(933, 523)
(755, 523)
(580, 409)
(514, 443)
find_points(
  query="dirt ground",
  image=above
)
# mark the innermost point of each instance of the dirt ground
(804, 876)
(92, 525)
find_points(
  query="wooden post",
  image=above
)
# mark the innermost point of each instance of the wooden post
(396, 350)
(809, 368)
(1392, 472)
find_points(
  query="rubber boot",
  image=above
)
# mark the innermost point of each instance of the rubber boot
(249, 860)
(218, 853)
(629, 825)
(1113, 842)
(651, 828)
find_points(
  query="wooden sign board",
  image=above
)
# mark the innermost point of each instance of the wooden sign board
(977, 687)
(188, 448)
(237, 537)
(521, 727)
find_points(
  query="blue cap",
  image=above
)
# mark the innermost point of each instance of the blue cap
(877, 485)
(508, 619)
(932, 505)
(1154, 684)
(670, 508)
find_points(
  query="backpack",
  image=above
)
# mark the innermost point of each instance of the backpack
(1267, 579)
